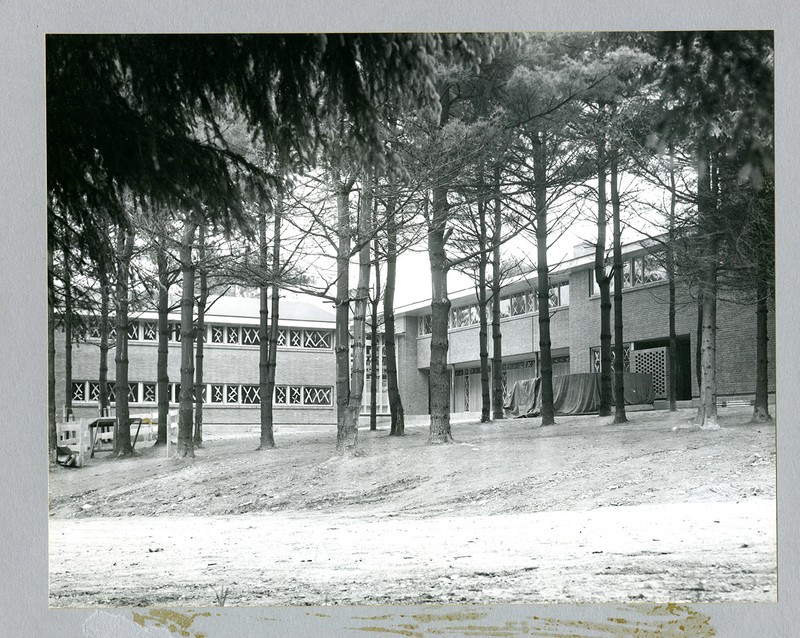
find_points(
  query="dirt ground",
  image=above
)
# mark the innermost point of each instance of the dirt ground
(583, 511)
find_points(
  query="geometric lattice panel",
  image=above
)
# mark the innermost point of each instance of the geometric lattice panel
(654, 362)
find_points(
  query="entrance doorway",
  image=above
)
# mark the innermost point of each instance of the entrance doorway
(683, 385)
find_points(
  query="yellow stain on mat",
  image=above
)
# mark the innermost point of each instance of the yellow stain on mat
(174, 621)
(631, 621)
(452, 617)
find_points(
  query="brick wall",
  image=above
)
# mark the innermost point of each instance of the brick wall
(411, 380)
(221, 364)
(233, 415)
(646, 316)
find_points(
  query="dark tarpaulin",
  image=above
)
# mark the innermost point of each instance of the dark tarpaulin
(574, 394)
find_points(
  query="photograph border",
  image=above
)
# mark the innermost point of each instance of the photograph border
(23, 296)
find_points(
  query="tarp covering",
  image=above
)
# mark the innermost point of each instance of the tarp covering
(574, 394)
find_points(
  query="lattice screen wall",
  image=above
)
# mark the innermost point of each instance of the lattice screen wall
(654, 362)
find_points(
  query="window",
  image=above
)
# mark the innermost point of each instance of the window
(112, 392)
(626, 275)
(320, 339)
(79, 391)
(217, 334)
(303, 395)
(174, 331)
(295, 338)
(93, 329)
(133, 392)
(559, 295)
(281, 337)
(653, 269)
(250, 336)
(250, 394)
(638, 279)
(594, 355)
(233, 334)
(424, 325)
(521, 303)
(637, 271)
(149, 330)
(317, 395)
(133, 330)
(217, 394)
(505, 307)
(148, 392)
(561, 365)
(94, 391)
(563, 292)
(232, 396)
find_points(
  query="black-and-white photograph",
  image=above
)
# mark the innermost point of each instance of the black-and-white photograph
(411, 318)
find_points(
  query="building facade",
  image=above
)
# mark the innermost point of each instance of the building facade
(304, 376)
(574, 307)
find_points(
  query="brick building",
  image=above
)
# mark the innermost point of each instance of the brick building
(304, 377)
(575, 334)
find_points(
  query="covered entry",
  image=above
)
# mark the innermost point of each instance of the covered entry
(651, 356)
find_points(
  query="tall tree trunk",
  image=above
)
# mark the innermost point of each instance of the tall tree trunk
(360, 305)
(185, 447)
(199, 336)
(105, 293)
(543, 276)
(438, 374)
(375, 340)
(761, 405)
(483, 331)
(122, 435)
(672, 387)
(68, 321)
(267, 399)
(698, 361)
(497, 335)
(52, 431)
(162, 370)
(267, 441)
(706, 417)
(603, 283)
(346, 427)
(398, 425)
(619, 350)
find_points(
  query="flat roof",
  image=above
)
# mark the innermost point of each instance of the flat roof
(299, 311)
(517, 281)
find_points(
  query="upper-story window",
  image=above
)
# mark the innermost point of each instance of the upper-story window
(250, 336)
(636, 271)
(519, 303)
(424, 325)
(319, 339)
(149, 330)
(559, 295)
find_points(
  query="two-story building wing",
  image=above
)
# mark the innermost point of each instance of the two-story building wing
(575, 334)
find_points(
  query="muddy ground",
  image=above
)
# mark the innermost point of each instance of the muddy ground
(583, 511)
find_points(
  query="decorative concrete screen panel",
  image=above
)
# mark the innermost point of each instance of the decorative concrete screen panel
(653, 361)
